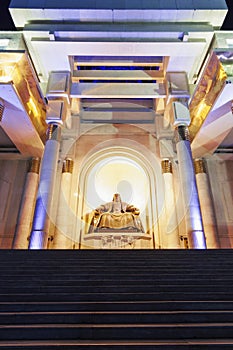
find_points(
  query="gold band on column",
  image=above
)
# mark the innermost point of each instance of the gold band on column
(35, 165)
(181, 133)
(68, 165)
(199, 166)
(1, 109)
(53, 132)
(166, 165)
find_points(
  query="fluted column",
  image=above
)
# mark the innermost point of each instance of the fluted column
(170, 233)
(63, 229)
(189, 191)
(42, 215)
(207, 210)
(27, 206)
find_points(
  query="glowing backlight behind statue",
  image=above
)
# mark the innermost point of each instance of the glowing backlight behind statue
(117, 174)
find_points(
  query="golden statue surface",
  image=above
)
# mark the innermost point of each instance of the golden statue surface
(115, 216)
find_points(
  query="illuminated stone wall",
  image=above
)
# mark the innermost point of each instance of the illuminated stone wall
(12, 178)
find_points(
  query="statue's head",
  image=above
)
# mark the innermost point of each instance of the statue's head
(116, 197)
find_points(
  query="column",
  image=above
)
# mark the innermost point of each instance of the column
(207, 210)
(27, 206)
(62, 235)
(192, 212)
(170, 234)
(42, 215)
(2, 107)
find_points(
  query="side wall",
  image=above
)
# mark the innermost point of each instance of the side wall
(12, 178)
(221, 182)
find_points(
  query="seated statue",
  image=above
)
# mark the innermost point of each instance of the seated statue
(116, 216)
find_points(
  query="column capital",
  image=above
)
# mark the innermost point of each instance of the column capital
(67, 166)
(181, 133)
(166, 165)
(58, 87)
(35, 165)
(53, 132)
(181, 115)
(199, 166)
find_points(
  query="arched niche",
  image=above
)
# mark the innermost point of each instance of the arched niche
(133, 173)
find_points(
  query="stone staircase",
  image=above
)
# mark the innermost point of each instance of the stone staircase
(116, 299)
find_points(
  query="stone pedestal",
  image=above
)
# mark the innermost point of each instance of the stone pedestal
(113, 240)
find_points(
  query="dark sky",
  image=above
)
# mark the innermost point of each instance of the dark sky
(6, 22)
(228, 23)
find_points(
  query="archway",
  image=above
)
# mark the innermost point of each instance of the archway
(133, 175)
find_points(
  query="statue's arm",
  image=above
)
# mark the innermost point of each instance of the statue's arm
(100, 209)
(133, 209)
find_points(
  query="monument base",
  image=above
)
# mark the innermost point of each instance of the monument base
(114, 240)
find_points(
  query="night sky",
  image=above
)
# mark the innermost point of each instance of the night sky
(6, 22)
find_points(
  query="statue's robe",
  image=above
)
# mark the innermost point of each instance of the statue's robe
(117, 216)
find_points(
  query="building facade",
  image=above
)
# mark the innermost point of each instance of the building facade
(106, 97)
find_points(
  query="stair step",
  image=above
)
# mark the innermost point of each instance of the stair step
(121, 290)
(119, 345)
(116, 331)
(114, 296)
(143, 299)
(123, 317)
(137, 306)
